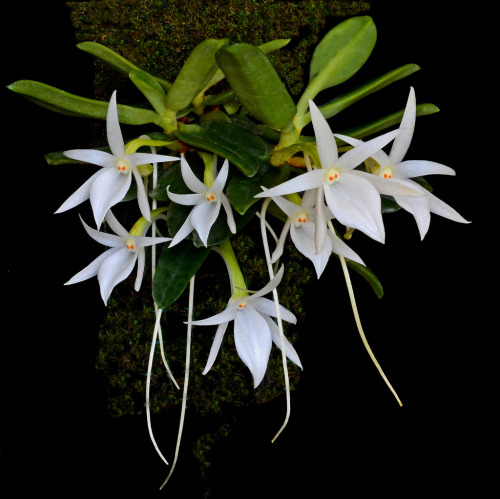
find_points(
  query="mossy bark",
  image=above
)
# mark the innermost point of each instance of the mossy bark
(158, 36)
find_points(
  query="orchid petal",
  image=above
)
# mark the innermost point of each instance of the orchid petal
(226, 315)
(116, 268)
(116, 226)
(220, 180)
(341, 248)
(325, 141)
(320, 218)
(141, 263)
(358, 154)
(289, 350)
(406, 128)
(109, 188)
(308, 199)
(268, 307)
(80, 195)
(203, 217)
(142, 197)
(273, 283)
(303, 182)
(190, 179)
(252, 338)
(114, 134)
(380, 156)
(419, 208)
(364, 214)
(419, 168)
(287, 206)
(303, 238)
(185, 199)
(229, 212)
(185, 229)
(444, 210)
(100, 158)
(92, 269)
(278, 251)
(144, 241)
(104, 238)
(216, 344)
(144, 158)
(393, 186)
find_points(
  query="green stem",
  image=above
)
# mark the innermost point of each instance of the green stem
(239, 287)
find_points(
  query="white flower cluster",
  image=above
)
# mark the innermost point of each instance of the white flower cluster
(333, 189)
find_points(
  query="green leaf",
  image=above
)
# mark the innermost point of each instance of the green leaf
(368, 275)
(343, 50)
(194, 75)
(73, 105)
(237, 144)
(116, 61)
(256, 84)
(241, 191)
(150, 88)
(385, 122)
(338, 56)
(176, 266)
(282, 155)
(342, 102)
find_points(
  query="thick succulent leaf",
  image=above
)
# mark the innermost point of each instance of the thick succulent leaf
(237, 144)
(194, 75)
(338, 56)
(150, 88)
(66, 103)
(282, 155)
(342, 102)
(343, 50)
(176, 266)
(241, 191)
(228, 96)
(256, 84)
(385, 122)
(115, 60)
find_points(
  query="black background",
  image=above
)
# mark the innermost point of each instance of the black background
(432, 331)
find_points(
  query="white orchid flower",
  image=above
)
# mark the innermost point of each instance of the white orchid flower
(116, 264)
(393, 168)
(207, 201)
(350, 194)
(302, 227)
(254, 329)
(109, 186)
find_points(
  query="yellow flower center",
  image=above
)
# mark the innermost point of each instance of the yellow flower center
(386, 172)
(211, 197)
(131, 245)
(300, 218)
(331, 175)
(123, 166)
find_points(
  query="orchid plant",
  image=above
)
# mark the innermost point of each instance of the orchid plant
(312, 187)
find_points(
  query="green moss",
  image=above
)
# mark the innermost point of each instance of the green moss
(159, 35)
